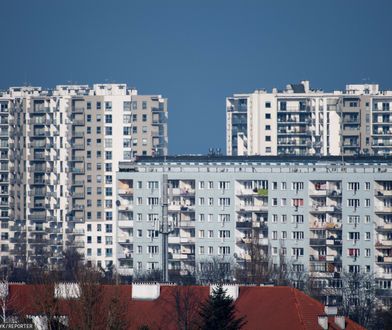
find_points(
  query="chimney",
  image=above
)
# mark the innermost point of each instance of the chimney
(323, 321)
(340, 321)
(330, 310)
(145, 291)
(306, 85)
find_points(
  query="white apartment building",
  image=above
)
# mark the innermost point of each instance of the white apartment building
(302, 121)
(320, 215)
(64, 147)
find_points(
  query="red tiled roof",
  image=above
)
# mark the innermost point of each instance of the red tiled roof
(264, 307)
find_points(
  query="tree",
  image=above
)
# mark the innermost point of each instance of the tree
(88, 310)
(358, 297)
(186, 304)
(218, 312)
(216, 270)
(117, 316)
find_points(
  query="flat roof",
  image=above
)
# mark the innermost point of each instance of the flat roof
(259, 159)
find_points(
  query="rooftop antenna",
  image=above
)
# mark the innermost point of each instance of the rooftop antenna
(165, 229)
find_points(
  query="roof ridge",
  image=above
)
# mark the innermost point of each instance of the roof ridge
(296, 304)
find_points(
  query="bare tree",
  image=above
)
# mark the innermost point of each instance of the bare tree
(88, 311)
(117, 314)
(4, 297)
(148, 275)
(186, 303)
(45, 300)
(216, 270)
(358, 296)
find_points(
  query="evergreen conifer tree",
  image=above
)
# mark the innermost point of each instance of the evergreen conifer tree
(218, 312)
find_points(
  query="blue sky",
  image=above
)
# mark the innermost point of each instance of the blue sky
(196, 52)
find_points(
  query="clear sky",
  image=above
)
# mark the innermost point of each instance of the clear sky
(196, 52)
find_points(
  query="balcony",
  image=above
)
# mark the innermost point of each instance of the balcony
(326, 208)
(317, 241)
(74, 231)
(187, 224)
(128, 191)
(77, 110)
(382, 193)
(384, 259)
(384, 244)
(243, 224)
(382, 209)
(187, 240)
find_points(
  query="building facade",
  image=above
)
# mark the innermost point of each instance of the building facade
(60, 153)
(303, 121)
(319, 215)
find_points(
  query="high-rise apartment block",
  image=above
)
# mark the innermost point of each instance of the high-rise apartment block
(320, 215)
(60, 150)
(303, 121)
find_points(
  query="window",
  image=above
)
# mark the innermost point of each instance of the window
(283, 185)
(98, 105)
(224, 218)
(210, 185)
(267, 127)
(274, 234)
(211, 201)
(274, 218)
(210, 250)
(201, 217)
(268, 138)
(283, 234)
(353, 203)
(353, 235)
(354, 186)
(367, 185)
(152, 249)
(201, 184)
(144, 118)
(108, 119)
(108, 155)
(210, 234)
(274, 202)
(224, 201)
(144, 105)
(367, 236)
(367, 202)
(268, 104)
(108, 130)
(88, 105)
(298, 219)
(224, 185)
(108, 106)
(88, 118)
(297, 252)
(297, 186)
(201, 201)
(224, 233)
(127, 130)
(284, 218)
(224, 250)
(297, 235)
(367, 253)
(267, 116)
